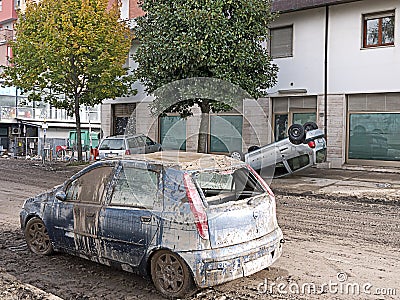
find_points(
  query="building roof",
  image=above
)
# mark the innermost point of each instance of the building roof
(293, 5)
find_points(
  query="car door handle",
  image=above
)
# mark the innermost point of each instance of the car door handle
(145, 219)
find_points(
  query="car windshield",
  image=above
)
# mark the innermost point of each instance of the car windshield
(232, 185)
(112, 144)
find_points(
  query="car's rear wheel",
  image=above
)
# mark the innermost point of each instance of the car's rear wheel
(37, 237)
(310, 126)
(171, 275)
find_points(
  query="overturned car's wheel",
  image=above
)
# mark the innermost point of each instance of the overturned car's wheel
(237, 155)
(310, 126)
(37, 238)
(253, 148)
(171, 276)
(296, 134)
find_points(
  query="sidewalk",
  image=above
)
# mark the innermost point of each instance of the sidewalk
(378, 185)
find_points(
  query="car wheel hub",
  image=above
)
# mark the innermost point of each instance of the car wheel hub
(171, 278)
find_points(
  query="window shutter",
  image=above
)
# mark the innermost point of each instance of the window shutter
(389, 102)
(124, 110)
(281, 42)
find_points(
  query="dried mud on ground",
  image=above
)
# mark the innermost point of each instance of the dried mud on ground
(324, 238)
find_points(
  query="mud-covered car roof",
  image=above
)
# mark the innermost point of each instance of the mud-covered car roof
(189, 161)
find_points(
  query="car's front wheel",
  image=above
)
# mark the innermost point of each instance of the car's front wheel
(171, 276)
(237, 155)
(296, 134)
(37, 237)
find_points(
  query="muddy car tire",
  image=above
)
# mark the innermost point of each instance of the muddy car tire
(237, 155)
(296, 134)
(37, 238)
(171, 275)
(310, 126)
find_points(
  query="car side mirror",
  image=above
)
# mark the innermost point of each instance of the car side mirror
(60, 195)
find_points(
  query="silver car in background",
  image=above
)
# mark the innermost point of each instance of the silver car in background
(121, 145)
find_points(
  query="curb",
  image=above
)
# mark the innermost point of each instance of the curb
(343, 198)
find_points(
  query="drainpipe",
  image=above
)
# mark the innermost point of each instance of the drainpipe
(326, 73)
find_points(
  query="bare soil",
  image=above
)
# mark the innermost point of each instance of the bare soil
(342, 242)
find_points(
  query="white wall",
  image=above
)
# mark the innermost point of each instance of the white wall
(125, 9)
(351, 69)
(305, 69)
(356, 70)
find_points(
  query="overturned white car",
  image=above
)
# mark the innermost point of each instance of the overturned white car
(305, 147)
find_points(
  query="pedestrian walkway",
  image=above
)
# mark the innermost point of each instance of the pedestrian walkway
(360, 182)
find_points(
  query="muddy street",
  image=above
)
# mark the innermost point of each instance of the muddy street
(346, 249)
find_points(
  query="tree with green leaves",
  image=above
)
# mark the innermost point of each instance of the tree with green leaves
(223, 39)
(71, 53)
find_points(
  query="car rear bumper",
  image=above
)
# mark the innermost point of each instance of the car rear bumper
(216, 266)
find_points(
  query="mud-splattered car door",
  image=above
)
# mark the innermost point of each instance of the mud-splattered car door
(75, 219)
(129, 222)
(91, 190)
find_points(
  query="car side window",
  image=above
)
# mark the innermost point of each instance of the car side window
(136, 187)
(141, 141)
(299, 162)
(89, 187)
(132, 143)
(149, 141)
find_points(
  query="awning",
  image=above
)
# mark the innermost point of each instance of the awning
(52, 124)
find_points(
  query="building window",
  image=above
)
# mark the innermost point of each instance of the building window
(292, 110)
(124, 120)
(379, 29)
(281, 42)
(225, 133)
(173, 133)
(373, 127)
(374, 136)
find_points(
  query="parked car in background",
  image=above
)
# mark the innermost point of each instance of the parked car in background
(185, 219)
(120, 145)
(305, 147)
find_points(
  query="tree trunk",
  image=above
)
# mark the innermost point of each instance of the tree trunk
(202, 145)
(78, 129)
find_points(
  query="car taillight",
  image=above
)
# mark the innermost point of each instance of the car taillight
(311, 144)
(196, 206)
(262, 182)
(127, 152)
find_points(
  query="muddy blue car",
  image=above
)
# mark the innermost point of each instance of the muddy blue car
(186, 220)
